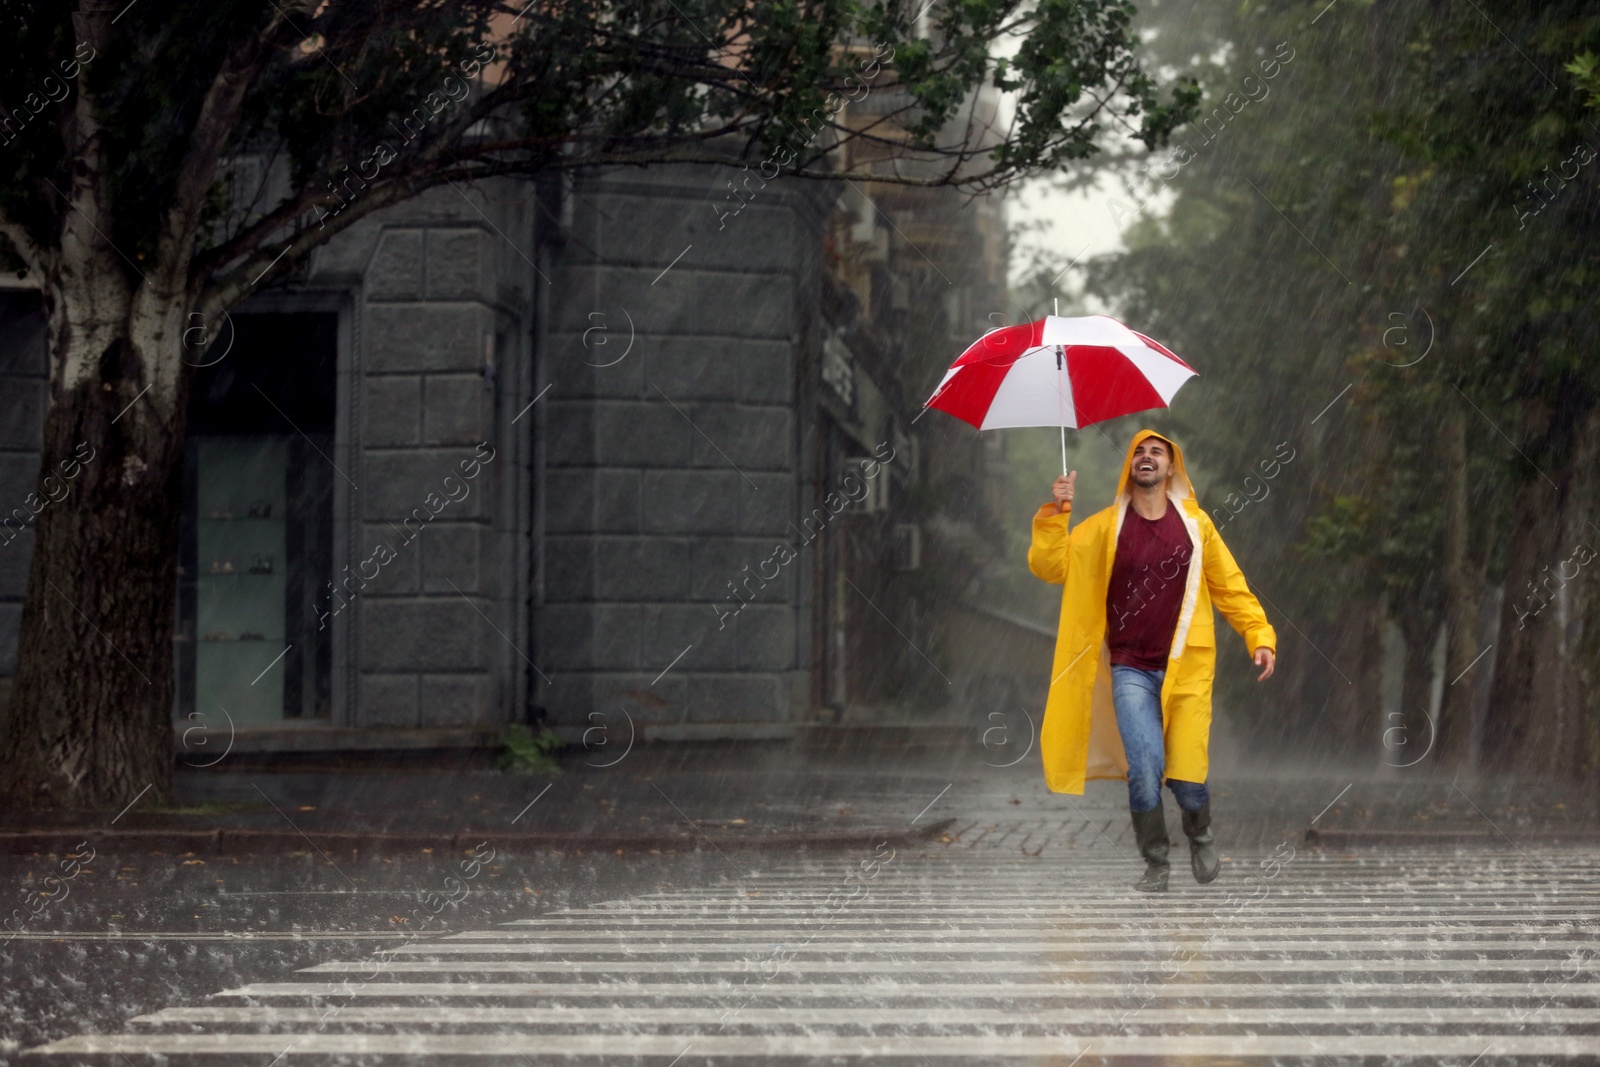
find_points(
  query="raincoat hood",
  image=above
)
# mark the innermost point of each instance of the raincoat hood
(1180, 488)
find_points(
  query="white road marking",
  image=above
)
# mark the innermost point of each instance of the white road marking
(834, 1016)
(1207, 964)
(240, 935)
(961, 948)
(1433, 990)
(957, 955)
(856, 1046)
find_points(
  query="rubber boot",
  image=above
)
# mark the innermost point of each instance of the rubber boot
(1150, 831)
(1203, 858)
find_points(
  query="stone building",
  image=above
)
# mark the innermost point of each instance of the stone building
(605, 453)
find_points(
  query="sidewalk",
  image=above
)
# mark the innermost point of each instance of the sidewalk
(858, 789)
(1400, 809)
(671, 797)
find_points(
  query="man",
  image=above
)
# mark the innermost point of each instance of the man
(1133, 594)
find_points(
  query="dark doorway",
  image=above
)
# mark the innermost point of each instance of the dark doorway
(257, 540)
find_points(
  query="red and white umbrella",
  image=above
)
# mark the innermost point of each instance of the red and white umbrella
(1059, 372)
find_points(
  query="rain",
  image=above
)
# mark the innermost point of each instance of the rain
(828, 532)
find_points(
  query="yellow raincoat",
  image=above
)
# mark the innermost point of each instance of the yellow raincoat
(1079, 739)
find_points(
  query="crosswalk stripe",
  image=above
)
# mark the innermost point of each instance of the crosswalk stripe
(175, 935)
(1433, 990)
(941, 947)
(1038, 873)
(854, 1046)
(668, 935)
(851, 919)
(1435, 867)
(1176, 907)
(1420, 1014)
(888, 895)
(1019, 966)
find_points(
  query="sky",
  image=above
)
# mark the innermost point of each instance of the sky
(1079, 222)
(1075, 226)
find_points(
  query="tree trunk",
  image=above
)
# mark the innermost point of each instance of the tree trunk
(1421, 630)
(1580, 646)
(1354, 709)
(1521, 717)
(89, 723)
(1463, 583)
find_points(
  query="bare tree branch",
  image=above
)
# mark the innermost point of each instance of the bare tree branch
(219, 113)
(32, 256)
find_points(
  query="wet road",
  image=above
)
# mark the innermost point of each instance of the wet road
(974, 949)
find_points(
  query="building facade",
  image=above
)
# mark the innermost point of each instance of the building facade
(608, 454)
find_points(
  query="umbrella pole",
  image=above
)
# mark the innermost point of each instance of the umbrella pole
(1061, 405)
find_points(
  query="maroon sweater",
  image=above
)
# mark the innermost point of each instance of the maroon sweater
(1148, 576)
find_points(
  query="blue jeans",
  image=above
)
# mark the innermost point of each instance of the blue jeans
(1136, 694)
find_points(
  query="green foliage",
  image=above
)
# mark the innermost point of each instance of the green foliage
(1410, 184)
(1341, 532)
(527, 752)
(1585, 71)
(338, 93)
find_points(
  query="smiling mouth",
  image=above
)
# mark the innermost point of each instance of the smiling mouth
(1145, 467)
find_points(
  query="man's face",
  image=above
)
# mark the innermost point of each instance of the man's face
(1152, 462)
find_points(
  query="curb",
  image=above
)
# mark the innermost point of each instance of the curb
(226, 842)
(1342, 838)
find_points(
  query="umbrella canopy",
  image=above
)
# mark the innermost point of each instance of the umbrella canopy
(1059, 372)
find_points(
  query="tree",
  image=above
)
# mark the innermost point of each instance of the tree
(1494, 227)
(123, 197)
(1416, 241)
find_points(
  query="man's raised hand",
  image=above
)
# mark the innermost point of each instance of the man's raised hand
(1062, 490)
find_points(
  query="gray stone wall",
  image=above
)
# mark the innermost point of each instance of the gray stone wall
(443, 307)
(669, 471)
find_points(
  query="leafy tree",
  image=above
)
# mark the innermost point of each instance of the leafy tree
(1414, 183)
